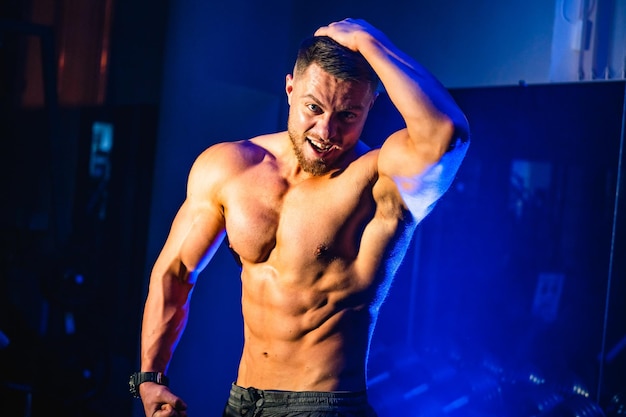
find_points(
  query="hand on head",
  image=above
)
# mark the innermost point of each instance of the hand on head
(345, 31)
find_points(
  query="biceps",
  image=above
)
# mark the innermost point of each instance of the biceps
(195, 235)
(421, 172)
(204, 237)
(402, 157)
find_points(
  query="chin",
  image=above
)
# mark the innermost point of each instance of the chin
(315, 167)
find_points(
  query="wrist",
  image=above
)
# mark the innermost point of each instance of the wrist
(139, 378)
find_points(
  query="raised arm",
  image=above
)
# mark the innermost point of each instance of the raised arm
(195, 234)
(423, 158)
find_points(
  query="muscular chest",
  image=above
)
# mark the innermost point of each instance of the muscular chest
(315, 221)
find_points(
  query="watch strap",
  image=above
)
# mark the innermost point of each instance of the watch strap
(139, 378)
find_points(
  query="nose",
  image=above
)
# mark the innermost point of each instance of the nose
(326, 127)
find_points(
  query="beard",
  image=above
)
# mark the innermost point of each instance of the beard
(317, 166)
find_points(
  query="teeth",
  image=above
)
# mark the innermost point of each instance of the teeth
(322, 147)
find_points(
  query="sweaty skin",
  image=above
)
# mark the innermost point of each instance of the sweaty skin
(319, 222)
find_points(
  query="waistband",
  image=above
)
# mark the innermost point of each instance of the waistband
(298, 398)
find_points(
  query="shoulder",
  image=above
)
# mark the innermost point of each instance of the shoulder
(229, 157)
(221, 162)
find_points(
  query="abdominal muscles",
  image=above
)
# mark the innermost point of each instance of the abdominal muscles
(306, 333)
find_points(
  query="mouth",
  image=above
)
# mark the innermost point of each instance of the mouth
(321, 146)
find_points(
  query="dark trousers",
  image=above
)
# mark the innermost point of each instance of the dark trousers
(252, 402)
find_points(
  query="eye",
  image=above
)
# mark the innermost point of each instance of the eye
(348, 116)
(314, 108)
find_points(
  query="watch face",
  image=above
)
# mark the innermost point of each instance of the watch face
(133, 385)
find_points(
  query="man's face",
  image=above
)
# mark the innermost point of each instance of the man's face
(326, 117)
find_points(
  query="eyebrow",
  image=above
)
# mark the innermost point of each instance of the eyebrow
(319, 103)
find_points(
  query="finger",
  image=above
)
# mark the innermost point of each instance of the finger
(180, 405)
(321, 31)
(171, 404)
(325, 30)
(166, 410)
(179, 409)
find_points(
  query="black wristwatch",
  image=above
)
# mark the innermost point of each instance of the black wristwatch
(140, 377)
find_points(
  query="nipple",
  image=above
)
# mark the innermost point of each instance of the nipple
(326, 254)
(321, 251)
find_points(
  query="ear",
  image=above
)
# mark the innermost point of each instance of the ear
(289, 87)
(373, 100)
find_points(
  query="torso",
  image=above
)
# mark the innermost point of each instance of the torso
(317, 257)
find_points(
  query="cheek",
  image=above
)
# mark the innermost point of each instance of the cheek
(294, 119)
(353, 129)
(303, 120)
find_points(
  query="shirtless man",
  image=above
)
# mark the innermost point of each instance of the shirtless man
(319, 223)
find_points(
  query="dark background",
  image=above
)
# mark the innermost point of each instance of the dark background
(510, 302)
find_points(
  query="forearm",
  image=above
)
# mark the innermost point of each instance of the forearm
(165, 317)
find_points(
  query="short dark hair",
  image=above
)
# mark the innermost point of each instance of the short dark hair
(337, 60)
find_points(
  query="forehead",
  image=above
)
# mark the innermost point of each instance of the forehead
(316, 83)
